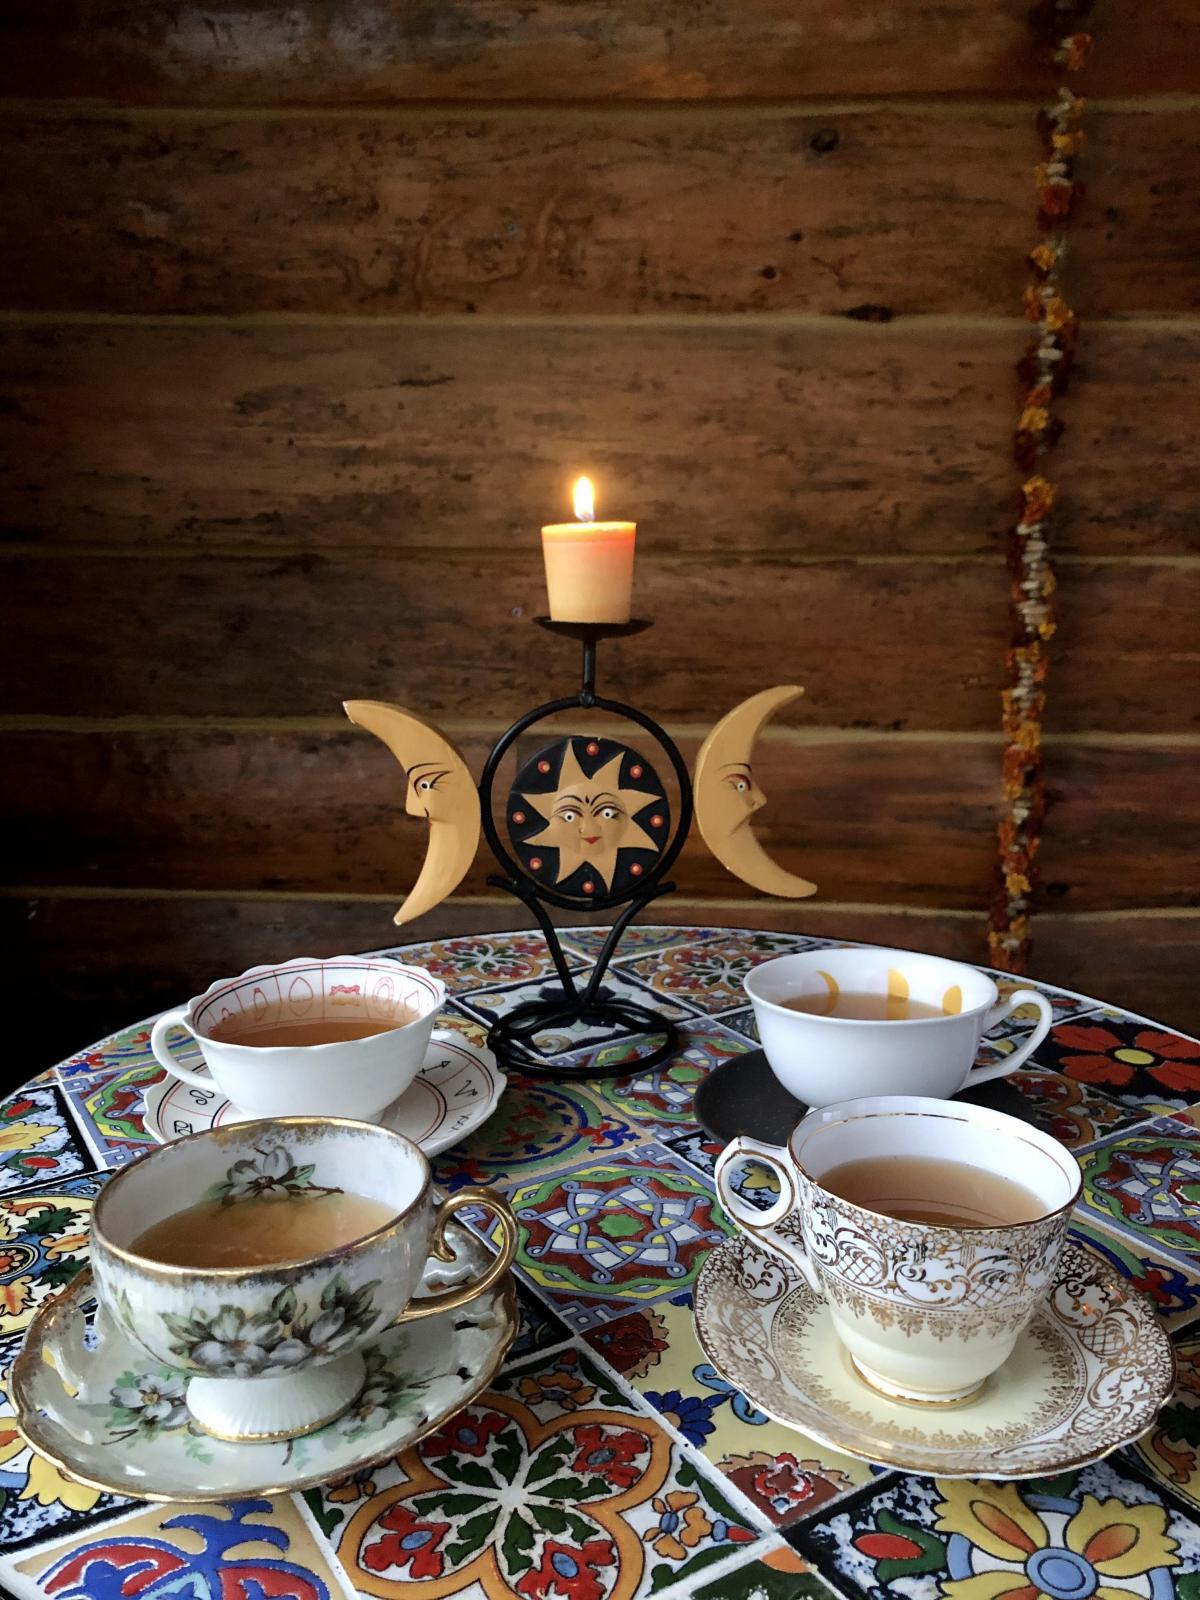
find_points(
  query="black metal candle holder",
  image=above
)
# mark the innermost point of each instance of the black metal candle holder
(632, 884)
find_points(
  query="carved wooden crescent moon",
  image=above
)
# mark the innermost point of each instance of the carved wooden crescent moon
(440, 789)
(726, 795)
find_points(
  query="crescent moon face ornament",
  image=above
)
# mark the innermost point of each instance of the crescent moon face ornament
(587, 817)
(727, 796)
(440, 789)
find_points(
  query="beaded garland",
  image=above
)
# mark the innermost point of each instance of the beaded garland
(1043, 373)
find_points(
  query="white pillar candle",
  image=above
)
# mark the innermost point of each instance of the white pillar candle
(589, 565)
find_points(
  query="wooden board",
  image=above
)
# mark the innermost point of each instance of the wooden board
(840, 438)
(904, 644)
(870, 212)
(237, 810)
(372, 50)
(1147, 964)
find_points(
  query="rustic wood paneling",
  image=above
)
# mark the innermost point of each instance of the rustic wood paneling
(165, 52)
(1147, 964)
(904, 644)
(236, 810)
(878, 211)
(719, 435)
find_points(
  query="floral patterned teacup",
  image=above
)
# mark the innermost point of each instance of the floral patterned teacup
(343, 1078)
(272, 1352)
(926, 1311)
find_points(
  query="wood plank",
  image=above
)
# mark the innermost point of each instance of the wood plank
(373, 51)
(1144, 964)
(848, 438)
(906, 821)
(890, 645)
(85, 967)
(914, 209)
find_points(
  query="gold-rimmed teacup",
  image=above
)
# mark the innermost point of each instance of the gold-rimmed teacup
(927, 1311)
(274, 1351)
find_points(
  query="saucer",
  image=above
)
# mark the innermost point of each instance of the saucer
(457, 1088)
(1088, 1375)
(116, 1418)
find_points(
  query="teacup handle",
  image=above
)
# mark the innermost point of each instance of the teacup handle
(763, 1225)
(459, 1294)
(158, 1044)
(1005, 1008)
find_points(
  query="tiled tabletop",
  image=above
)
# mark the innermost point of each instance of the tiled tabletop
(609, 1461)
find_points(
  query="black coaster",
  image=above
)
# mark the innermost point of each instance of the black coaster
(743, 1096)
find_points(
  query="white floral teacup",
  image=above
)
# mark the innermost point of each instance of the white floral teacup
(273, 1351)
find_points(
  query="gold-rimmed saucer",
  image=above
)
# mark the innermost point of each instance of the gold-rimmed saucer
(108, 1414)
(1088, 1375)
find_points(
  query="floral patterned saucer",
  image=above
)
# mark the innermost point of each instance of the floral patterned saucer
(456, 1090)
(108, 1414)
(1088, 1375)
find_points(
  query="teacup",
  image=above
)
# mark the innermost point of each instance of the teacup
(349, 1078)
(926, 1311)
(274, 1351)
(821, 1058)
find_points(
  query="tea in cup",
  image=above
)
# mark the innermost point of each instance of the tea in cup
(260, 1257)
(840, 1024)
(344, 1036)
(930, 1228)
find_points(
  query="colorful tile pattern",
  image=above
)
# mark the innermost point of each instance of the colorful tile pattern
(1101, 1530)
(608, 1461)
(781, 1472)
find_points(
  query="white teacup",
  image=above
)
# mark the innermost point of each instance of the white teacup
(927, 1311)
(273, 1351)
(825, 1058)
(350, 1078)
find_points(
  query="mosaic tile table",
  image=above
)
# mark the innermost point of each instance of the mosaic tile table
(609, 1461)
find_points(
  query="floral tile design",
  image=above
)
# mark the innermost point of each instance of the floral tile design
(743, 1022)
(781, 1472)
(234, 1550)
(709, 975)
(1147, 1182)
(636, 940)
(489, 1004)
(110, 1109)
(1174, 1290)
(773, 1571)
(636, 1228)
(37, 1502)
(38, 1141)
(1063, 1003)
(480, 962)
(539, 1329)
(754, 1181)
(539, 1126)
(43, 1244)
(662, 1097)
(1190, 1114)
(1172, 1447)
(1098, 1531)
(473, 1031)
(553, 1483)
(1135, 1062)
(127, 1049)
(1067, 1110)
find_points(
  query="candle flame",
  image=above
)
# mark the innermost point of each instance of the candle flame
(585, 502)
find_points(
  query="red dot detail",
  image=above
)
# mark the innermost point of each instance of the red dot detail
(636, 772)
(636, 869)
(656, 821)
(589, 887)
(543, 766)
(593, 749)
(535, 862)
(518, 816)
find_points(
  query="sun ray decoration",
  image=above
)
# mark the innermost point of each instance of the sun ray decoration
(590, 820)
(1043, 373)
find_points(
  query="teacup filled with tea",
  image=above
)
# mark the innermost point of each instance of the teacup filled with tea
(260, 1257)
(840, 1024)
(344, 1036)
(930, 1228)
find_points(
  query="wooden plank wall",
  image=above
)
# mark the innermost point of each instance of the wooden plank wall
(308, 315)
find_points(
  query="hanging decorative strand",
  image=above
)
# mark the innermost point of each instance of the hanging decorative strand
(1043, 373)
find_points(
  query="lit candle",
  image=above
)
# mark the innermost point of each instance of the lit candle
(589, 565)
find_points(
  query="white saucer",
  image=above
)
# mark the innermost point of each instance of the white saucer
(116, 1420)
(457, 1088)
(1088, 1375)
